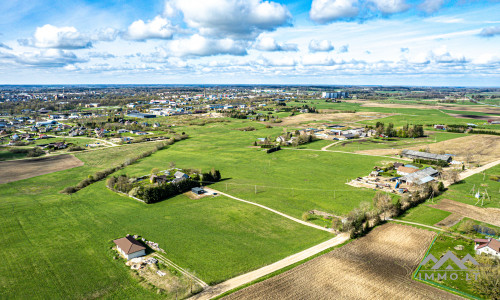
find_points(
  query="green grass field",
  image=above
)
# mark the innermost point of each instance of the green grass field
(58, 245)
(462, 191)
(7, 155)
(424, 214)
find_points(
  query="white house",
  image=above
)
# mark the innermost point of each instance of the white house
(487, 246)
(130, 247)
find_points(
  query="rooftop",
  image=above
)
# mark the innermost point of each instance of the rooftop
(129, 245)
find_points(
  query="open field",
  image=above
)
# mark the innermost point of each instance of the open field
(7, 155)
(304, 119)
(376, 266)
(424, 214)
(425, 105)
(289, 181)
(463, 191)
(216, 238)
(27, 168)
(482, 148)
(394, 143)
(487, 215)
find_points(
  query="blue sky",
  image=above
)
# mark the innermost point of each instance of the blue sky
(359, 42)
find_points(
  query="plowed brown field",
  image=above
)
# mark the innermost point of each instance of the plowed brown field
(377, 266)
(26, 168)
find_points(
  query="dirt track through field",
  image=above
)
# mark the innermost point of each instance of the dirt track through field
(26, 168)
(377, 266)
(487, 215)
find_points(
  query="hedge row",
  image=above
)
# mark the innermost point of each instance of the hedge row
(97, 176)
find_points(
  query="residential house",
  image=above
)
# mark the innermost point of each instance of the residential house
(130, 247)
(488, 246)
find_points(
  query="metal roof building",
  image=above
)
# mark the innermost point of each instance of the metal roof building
(425, 155)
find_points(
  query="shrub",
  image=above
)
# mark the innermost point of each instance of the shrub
(76, 148)
(35, 152)
(18, 150)
(69, 190)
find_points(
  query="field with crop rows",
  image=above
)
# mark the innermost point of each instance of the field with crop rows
(376, 266)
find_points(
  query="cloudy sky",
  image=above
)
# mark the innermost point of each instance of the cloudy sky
(368, 42)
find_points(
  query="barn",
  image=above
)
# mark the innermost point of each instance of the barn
(130, 247)
(426, 156)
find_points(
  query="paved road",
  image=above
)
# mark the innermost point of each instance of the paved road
(235, 282)
(271, 210)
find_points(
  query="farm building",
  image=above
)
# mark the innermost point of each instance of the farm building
(425, 155)
(406, 170)
(420, 176)
(487, 246)
(198, 191)
(130, 247)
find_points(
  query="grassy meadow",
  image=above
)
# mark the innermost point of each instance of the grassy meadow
(58, 246)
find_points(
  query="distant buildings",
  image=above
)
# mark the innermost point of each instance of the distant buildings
(334, 95)
(140, 115)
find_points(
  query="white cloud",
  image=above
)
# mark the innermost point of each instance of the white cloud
(197, 45)
(107, 34)
(49, 36)
(318, 59)
(323, 11)
(231, 18)
(266, 43)
(344, 49)
(431, 6)
(490, 31)
(47, 58)
(320, 46)
(158, 28)
(2, 45)
(390, 6)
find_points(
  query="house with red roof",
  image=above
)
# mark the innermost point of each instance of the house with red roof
(487, 246)
(130, 247)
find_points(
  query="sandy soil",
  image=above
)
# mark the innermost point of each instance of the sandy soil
(26, 168)
(377, 266)
(487, 215)
(340, 117)
(484, 148)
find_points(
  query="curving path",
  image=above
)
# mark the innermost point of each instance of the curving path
(271, 210)
(235, 282)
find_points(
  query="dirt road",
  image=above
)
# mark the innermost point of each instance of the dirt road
(487, 215)
(376, 266)
(251, 276)
(271, 210)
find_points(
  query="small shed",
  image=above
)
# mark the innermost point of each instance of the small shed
(198, 191)
(130, 247)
